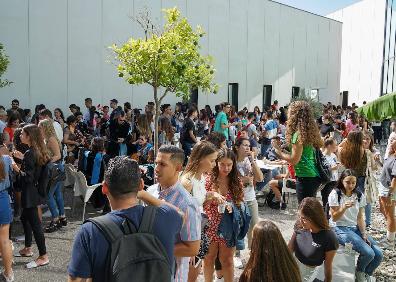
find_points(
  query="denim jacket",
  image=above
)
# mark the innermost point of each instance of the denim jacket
(234, 226)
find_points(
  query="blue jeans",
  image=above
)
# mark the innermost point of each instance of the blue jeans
(55, 199)
(268, 176)
(367, 210)
(370, 256)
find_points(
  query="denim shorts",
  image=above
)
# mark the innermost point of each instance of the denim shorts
(5, 208)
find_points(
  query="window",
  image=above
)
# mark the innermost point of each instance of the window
(344, 99)
(295, 91)
(267, 96)
(233, 94)
(315, 94)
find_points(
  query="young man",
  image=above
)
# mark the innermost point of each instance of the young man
(221, 124)
(251, 127)
(16, 109)
(87, 113)
(115, 107)
(169, 163)
(123, 186)
(188, 136)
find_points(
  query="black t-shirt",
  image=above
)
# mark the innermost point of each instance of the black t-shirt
(325, 129)
(310, 248)
(188, 125)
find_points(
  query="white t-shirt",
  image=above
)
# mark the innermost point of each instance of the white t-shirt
(199, 191)
(349, 218)
(58, 130)
(392, 137)
(244, 169)
(332, 161)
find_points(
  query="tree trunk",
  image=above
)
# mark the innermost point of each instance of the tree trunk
(156, 118)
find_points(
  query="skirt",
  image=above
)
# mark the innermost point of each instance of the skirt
(5, 208)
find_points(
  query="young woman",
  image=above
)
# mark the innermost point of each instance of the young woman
(55, 196)
(202, 161)
(351, 123)
(353, 155)
(12, 124)
(270, 259)
(387, 193)
(225, 181)
(250, 174)
(73, 138)
(347, 204)
(59, 117)
(303, 135)
(313, 242)
(32, 161)
(5, 217)
(329, 152)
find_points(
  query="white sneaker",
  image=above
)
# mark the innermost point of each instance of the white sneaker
(238, 262)
(360, 277)
(217, 279)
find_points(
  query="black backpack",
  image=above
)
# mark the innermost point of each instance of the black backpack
(134, 255)
(322, 166)
(49, 175)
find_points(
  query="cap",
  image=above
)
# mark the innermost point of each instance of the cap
(114, 101)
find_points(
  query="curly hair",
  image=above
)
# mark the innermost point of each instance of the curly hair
(301, 120)
(351, 154)
(235, 188)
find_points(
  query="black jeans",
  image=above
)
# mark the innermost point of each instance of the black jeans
(306, 187)
(325, 195)
(31, 223)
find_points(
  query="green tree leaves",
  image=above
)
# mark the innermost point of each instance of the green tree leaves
(4, 61)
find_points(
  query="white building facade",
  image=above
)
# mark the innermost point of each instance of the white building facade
(368, 49)
(262, 50)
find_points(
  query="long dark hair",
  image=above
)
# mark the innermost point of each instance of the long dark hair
(235, 186)
(238, 144)
(312, 209)
(270, 259)
(344, 174)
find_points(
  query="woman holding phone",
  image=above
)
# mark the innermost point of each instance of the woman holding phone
(347, 205)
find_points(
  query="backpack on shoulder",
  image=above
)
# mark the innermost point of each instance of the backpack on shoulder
(50, 174)
(134, 254)
(322, 166)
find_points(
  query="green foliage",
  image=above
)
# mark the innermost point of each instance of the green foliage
(168, 59)
(4, 61)
(317, 107)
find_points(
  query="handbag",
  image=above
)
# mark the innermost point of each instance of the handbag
(370, 183)
(322, 166)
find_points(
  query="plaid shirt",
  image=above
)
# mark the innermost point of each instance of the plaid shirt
(178, 196)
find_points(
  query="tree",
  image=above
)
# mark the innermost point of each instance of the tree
(167, 58)
(4, 61)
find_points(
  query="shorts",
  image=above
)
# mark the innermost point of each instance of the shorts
(289, 183)
(384, 191)
(5, 208)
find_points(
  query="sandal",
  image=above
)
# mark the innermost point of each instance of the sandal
(36, 263)
(52, 227)
(63, 221)
(23, 254)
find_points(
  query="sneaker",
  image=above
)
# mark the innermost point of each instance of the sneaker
(217, 279)
(9, 278)
(283, 206)
(238, 262)
(370, 278)
(360, 277)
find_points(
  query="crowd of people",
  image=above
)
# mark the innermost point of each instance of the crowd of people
(203, 202)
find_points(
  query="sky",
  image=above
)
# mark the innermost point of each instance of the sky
(320, 7)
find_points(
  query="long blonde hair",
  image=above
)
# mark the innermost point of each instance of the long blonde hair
(49, 130)
(301, 120)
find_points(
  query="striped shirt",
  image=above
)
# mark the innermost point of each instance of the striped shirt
(178, 196)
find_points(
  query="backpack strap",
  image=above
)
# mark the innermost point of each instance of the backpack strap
(149, 213)
(110, 230)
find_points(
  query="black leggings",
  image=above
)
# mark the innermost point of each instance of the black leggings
(306, 187)
(31, 223)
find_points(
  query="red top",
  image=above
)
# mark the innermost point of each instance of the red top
(10, 132)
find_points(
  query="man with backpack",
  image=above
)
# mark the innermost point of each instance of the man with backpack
(132, 242)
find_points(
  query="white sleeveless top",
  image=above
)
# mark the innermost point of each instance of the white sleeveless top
(198, 191)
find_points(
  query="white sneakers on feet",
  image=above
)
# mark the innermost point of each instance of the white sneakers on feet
(217, 279)
(360, 277)
(238, 262)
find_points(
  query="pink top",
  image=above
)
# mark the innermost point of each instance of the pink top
(350, 126)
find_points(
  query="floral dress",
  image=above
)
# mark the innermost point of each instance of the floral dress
(214, 217)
